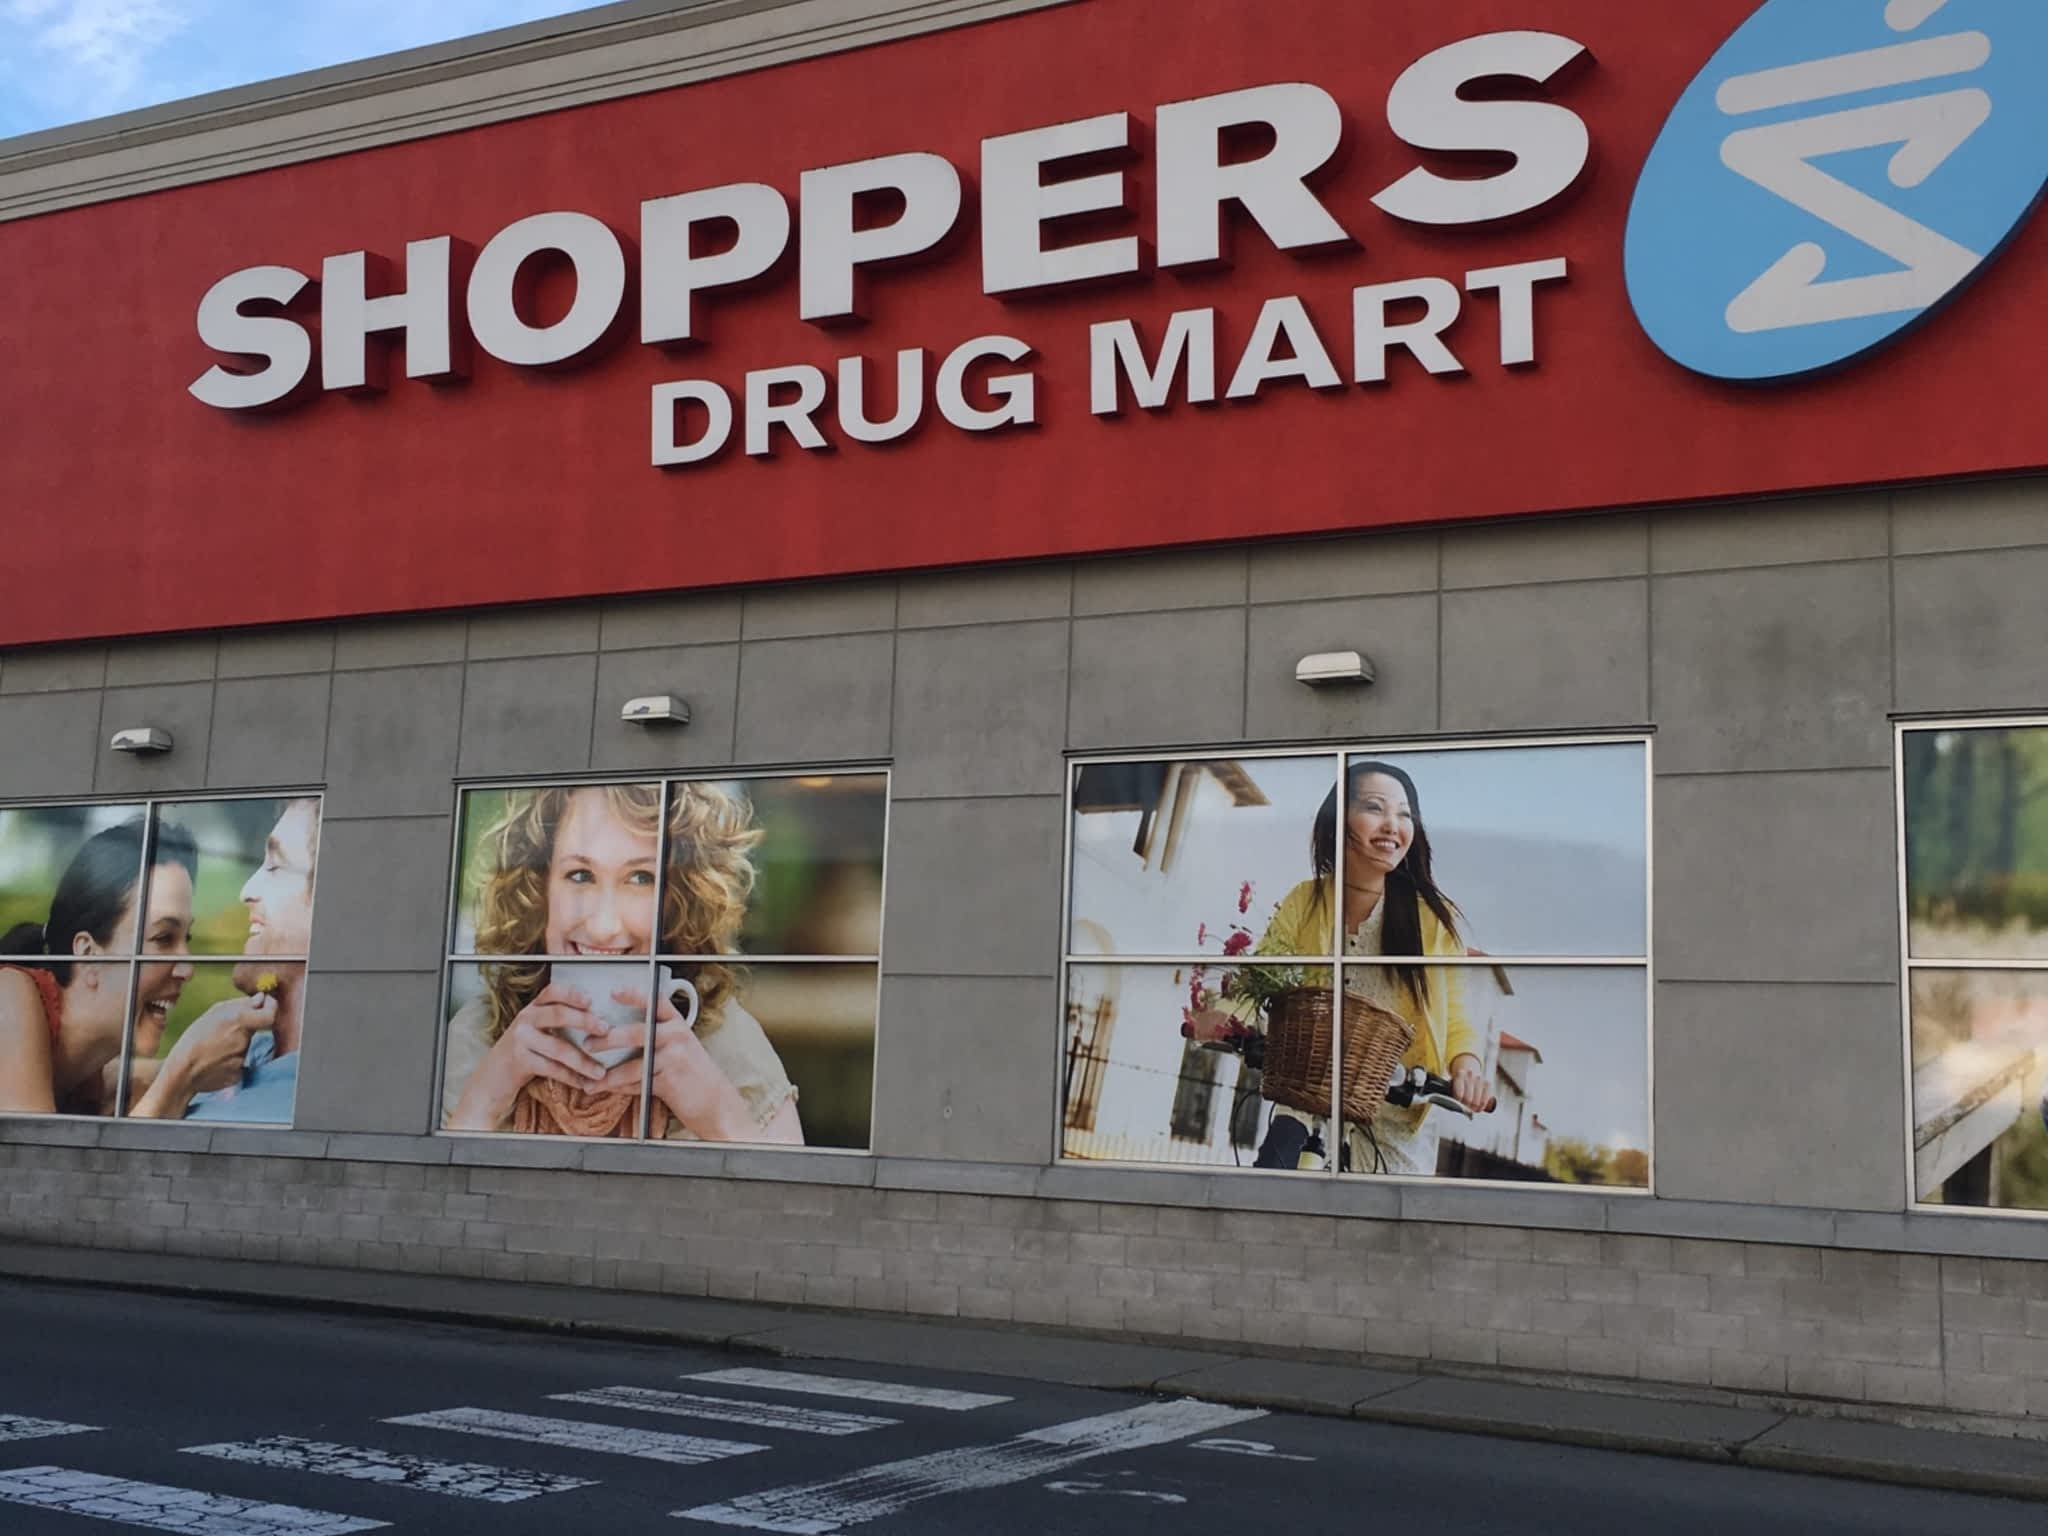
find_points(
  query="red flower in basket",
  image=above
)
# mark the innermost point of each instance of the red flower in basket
(1248, 989)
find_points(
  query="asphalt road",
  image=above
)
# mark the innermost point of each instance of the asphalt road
(206, 1417)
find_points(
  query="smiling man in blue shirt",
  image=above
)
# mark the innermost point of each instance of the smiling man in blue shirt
(279, 899)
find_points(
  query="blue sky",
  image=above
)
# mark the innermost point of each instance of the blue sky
(62, 61)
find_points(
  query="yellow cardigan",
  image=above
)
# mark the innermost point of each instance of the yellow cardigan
(1303, 924)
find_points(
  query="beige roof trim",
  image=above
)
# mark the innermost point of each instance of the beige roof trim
(615, 50)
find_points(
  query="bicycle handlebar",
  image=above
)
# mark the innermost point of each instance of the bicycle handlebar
(1415, 1086)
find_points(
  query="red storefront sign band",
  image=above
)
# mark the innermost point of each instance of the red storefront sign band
(865, 313)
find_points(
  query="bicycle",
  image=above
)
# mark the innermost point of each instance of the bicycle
(1288, 1140)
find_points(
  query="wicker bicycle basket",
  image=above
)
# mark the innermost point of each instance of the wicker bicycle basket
(1299, 1032)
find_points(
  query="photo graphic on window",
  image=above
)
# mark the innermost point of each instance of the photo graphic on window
(1976, 910)
(153, 957)
(683, 960)
(1435, 968)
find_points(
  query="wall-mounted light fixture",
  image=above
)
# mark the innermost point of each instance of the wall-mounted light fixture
(1332, 668)
(143, 740)
(656, 709)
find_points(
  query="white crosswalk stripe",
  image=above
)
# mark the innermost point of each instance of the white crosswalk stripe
(895, 1392)
(579, 1435)
(820, 1508)
(729, 1410)
(14, 1426)
(156, 1507)
(457, 1479)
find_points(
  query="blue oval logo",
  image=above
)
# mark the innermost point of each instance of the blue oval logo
(1840, 170)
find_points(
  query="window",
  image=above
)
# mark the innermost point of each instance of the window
(735, 924)
(153, 957)
(1463, 929)
(1974, 819)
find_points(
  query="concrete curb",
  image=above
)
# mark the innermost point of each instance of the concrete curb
(1883, 1453)
(1772, 1438)
(1945, 1479)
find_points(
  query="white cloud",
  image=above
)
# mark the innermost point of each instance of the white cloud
(95, 52)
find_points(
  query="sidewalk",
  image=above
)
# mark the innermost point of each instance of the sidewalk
(1659, 1426)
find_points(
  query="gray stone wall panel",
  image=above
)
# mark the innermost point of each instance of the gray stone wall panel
(183, 709)
(276, 652)
(1780, 1095)
(269, 730)
(369, 1054)
(1157, 679)
(967, 1068)
(650, 623)
(548, 630)
(381, 643)
(1973, 631)
(1523, 550)
(816, 700)
(393, 741)
(1776, 877)
(1370, 566)
(49, 743)
(1559, 657)
(1772, 668)
(980, 711)
(705, 677)
(1198, 578)
(383, 897)
(1005, 594)
(974, 887)
(1397, 634)
(1796, 532)
(55, 668)
(182, 659)
(1997, 514)
(818, 608)
(527, 717)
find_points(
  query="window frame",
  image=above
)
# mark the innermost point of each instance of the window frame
(1341, 750)
(1902, 727)
(450, 958)
(149, 806)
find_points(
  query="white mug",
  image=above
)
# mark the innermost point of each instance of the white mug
(599, 982)
(671, 984)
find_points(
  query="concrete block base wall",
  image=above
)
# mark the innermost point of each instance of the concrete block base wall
(1956, 1335)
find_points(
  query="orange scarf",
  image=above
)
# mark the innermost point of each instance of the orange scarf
(548, 1108)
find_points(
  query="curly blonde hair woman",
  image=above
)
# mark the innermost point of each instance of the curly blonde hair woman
(570, 873)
